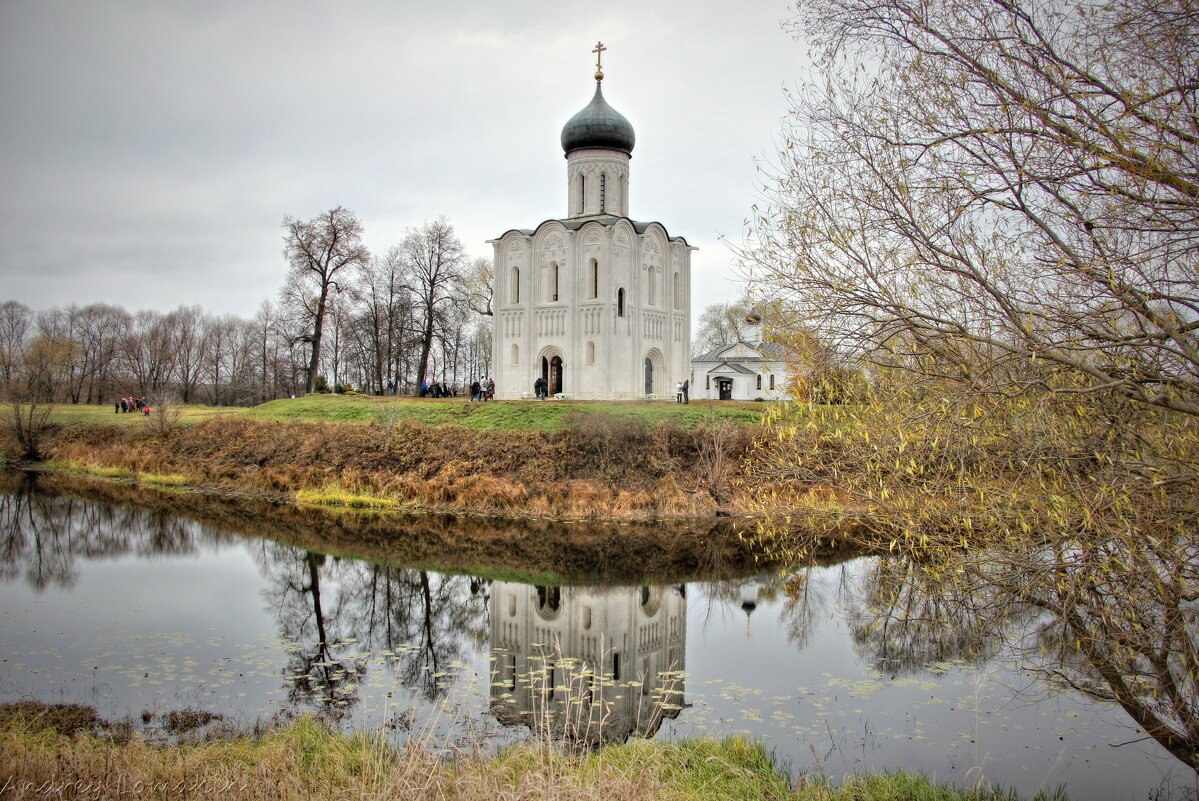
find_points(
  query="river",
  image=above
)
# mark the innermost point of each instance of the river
(142, 602)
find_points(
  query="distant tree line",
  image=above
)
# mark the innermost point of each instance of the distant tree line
(380, 324)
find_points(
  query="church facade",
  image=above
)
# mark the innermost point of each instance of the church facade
(595, 303)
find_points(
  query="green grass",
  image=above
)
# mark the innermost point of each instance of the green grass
(337, 496)
(521, 415)
(305, 760)
(67, 414)
(163, 479)
(70, 466)
(518, 415)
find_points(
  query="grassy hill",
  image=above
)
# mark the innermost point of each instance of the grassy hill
(521, 415)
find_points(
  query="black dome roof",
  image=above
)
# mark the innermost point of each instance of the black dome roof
(598, 125)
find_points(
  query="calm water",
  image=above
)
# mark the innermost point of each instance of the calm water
(131, 609)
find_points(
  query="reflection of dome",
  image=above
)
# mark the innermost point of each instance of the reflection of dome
(598, 125)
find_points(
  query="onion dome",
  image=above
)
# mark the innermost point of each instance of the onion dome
(754, 317)
(598, 125)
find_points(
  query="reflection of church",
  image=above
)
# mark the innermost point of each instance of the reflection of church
(602, 658)
(596, 303)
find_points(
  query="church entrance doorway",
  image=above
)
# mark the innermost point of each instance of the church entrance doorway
(724, 386)
(551, 371)
(649, 376)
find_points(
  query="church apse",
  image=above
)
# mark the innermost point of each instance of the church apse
(587, 665)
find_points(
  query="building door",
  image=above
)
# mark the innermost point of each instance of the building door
(649, 377)
(555, 376)
(725, 387)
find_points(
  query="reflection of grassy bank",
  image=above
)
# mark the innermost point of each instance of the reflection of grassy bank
(304, 760)
(528, 551)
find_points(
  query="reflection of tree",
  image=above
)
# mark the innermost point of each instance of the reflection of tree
(905, 616)
(1116, 619)
(43, 535)
(804, 603)
(329, 608)
(425, 618)
(315, 671)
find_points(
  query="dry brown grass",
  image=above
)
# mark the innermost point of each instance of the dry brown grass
(305, 761)
(601, 466)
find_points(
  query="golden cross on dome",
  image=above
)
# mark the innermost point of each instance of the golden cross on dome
(599, 54)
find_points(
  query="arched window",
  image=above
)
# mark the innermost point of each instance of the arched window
(582, 192)
(652, 289)
(620, 302)
(593, 277)
(772, 380)
(603, 189)
(677, 299)
(759, 380)
(515, 353)
(591, 353)
(553, 282)
(515, 284)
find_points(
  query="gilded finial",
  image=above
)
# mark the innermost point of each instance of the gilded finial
(599, 54)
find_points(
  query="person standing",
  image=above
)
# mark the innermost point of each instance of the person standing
(686, 390)
(490, 389)
(476, 390)
(678, 392)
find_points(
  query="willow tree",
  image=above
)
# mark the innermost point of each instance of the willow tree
(1002, 193)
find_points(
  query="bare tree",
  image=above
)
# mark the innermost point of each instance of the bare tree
(385, 313)
(186, 329)
(43, 373)
(721, 324)
(479, 286)
(433, 256)
(1003, 191)
(317, 250)
(148, 352)
(16, 323)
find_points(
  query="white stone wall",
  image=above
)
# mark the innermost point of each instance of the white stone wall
(562, 309)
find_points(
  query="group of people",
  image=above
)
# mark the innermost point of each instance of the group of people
(131, 404)
(436, 389)
(682, 391)
(482, 390)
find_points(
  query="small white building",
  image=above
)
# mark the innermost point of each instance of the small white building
(746, 370)
(596, 303)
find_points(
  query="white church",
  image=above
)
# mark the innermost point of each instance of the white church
(596, 303)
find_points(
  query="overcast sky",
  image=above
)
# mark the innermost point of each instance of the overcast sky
(149, 149)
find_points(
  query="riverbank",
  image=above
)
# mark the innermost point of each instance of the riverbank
(543, 552)
(69, 753)
(517, 460)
